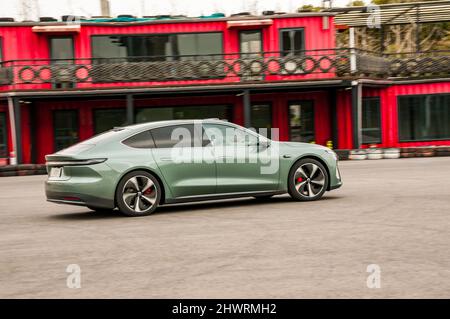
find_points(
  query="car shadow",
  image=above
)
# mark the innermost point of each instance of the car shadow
(185, 207)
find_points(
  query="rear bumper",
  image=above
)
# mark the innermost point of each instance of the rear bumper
(78, 199)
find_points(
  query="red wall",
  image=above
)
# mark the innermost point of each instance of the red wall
(388, 103)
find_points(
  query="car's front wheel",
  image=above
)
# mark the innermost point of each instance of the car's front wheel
(138, 194)
(308, 180)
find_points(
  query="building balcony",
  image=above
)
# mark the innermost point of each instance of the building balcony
(40, 74)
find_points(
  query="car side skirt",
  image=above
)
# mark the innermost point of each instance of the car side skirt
(199, 198)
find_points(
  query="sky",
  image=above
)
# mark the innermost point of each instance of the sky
(31, 9)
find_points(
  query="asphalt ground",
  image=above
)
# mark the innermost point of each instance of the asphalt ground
(392, 213)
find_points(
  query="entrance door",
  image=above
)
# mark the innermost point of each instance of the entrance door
(301, 121)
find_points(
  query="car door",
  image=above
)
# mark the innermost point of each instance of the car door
(242, 164)
(186, 166)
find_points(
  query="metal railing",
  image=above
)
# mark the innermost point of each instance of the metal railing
(264, 66)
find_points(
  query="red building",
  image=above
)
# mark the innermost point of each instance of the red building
(62, 83)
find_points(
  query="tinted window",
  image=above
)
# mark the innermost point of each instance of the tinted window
(227, 135)
(424, 117)
(261, 115)
(156, 46)
(65, 123)
(106, 119)
(371, 120)
(301, 121)
(174, 136)
(292, 42)
(61, 48)
(140, 140)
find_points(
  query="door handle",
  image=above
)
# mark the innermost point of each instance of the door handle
(166, 159)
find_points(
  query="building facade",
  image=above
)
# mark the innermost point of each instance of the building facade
(63, 82)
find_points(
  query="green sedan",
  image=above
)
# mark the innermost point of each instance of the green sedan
(140, 167)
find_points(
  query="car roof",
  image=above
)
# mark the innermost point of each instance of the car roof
(150, 125)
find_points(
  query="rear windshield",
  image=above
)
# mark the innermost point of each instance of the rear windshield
(89, 143)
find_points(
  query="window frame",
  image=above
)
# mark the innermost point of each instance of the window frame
(151, 34)
(380, 122)
(280, 39)
(77, 116)
(398, 119)
(291, 102)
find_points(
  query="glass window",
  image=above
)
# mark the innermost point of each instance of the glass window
(371, 120)
(292, 42)
(61, 48)
(140, 140)
(301, 121)
(250, 42)
(152, 114)
(261, 115)
(3, 136)
(225, 135)
(424, 117)
(106, 119)
(65, 124)
(174, 136)
(156, 46)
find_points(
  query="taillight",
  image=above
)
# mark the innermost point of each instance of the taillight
(91, 161)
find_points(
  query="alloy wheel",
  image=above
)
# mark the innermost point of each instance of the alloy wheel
(139, 194)
(309, 180)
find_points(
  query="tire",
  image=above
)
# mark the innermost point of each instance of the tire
(304, 187)
(138, 186)
(101, 210)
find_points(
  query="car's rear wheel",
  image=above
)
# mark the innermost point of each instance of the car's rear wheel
(138, 194)
(308, 180)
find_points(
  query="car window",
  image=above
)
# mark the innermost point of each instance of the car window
(174, 136)
(140, 140)
(225, 135)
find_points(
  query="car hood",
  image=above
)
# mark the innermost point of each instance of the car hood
(301, 145)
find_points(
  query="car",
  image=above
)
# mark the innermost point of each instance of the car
(139, 167)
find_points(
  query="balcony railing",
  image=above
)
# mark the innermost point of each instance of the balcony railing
(198, 69)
